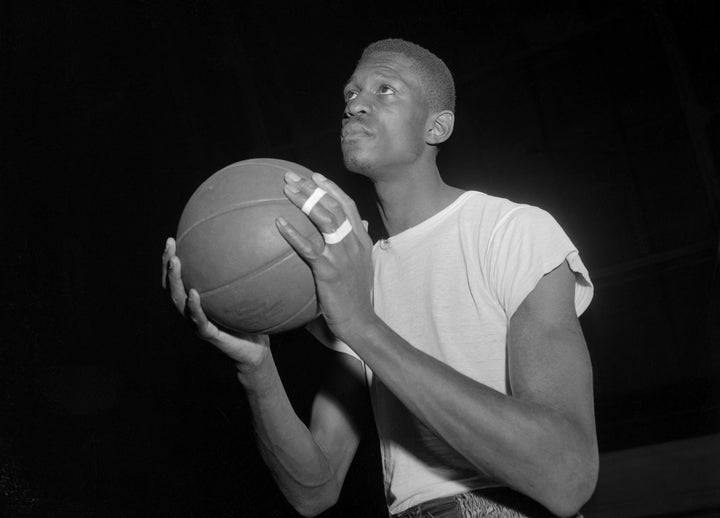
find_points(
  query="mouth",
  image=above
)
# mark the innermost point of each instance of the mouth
(353, 129)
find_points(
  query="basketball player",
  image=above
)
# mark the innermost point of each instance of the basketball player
(463, 324)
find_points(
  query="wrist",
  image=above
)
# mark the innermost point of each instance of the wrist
(355, 330)
(258, 378)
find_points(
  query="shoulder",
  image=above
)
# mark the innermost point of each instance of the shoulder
(492, 211)
(527, 220)
(480, 203)
(486, 218)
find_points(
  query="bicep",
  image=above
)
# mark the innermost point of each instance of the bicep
(548, 361)
(339, 411)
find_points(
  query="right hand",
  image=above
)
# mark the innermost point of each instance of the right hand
(245, 351)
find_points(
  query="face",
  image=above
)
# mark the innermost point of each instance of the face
(385, 115)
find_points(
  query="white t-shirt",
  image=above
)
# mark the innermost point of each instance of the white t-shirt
(449, 286)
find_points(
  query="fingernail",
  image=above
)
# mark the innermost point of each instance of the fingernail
(282, 221)
(292, 188)
(319, 177)
(293, 177)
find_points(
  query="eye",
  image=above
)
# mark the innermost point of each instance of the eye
(386, 90)
(350, 95)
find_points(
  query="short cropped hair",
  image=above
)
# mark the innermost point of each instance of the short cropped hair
(435, 77)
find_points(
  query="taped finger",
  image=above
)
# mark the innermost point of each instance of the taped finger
(348, 205)
(341, 233)
(312, 200)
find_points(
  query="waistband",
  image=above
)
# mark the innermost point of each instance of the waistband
(500, 502)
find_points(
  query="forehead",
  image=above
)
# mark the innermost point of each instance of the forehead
(390, 65)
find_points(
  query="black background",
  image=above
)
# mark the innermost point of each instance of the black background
(604, 113)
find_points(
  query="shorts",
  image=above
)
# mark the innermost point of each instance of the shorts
(495, 502)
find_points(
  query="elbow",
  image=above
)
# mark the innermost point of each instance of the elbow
(314, 508)
(309, 505)
(571, 490)
(568, 503)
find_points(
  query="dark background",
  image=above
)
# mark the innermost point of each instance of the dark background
(604, 113)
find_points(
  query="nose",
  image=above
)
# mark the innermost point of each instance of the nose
(357, 106)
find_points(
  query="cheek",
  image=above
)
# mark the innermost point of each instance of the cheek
(410, 136)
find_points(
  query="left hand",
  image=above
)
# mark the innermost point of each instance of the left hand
(343, 271)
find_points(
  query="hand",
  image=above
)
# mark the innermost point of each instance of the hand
(343, 270)
(245, 351)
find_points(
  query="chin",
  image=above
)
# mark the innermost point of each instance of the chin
(357, 163)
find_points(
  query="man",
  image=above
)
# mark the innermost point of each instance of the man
(463, 323)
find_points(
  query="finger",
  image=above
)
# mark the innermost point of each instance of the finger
(308, 250)
(301, 184)
(302, 191)
(317, 257)
(348, 205)
(209, 332)
(168, 252)
(177, 289)
(327, 214)
(205, 329)
(316, 195)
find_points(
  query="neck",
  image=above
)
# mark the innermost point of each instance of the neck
(411, 196)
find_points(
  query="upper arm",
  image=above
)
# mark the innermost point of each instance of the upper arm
(339, 411)
(548, 361)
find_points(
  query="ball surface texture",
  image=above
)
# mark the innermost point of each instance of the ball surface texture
(249, 278)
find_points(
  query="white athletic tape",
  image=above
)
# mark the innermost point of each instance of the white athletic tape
(340, 234)
(312, 200)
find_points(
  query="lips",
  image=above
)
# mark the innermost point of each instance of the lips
(355, 129)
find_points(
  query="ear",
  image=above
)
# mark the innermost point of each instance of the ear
(440, 127)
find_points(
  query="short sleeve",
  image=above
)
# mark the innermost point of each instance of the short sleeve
(526, 244)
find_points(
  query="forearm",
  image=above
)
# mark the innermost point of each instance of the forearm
(296, 462)
(530, 447)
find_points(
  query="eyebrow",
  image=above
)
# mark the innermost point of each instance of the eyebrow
(379, 75)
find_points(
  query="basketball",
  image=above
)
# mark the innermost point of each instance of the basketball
(249, 278)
